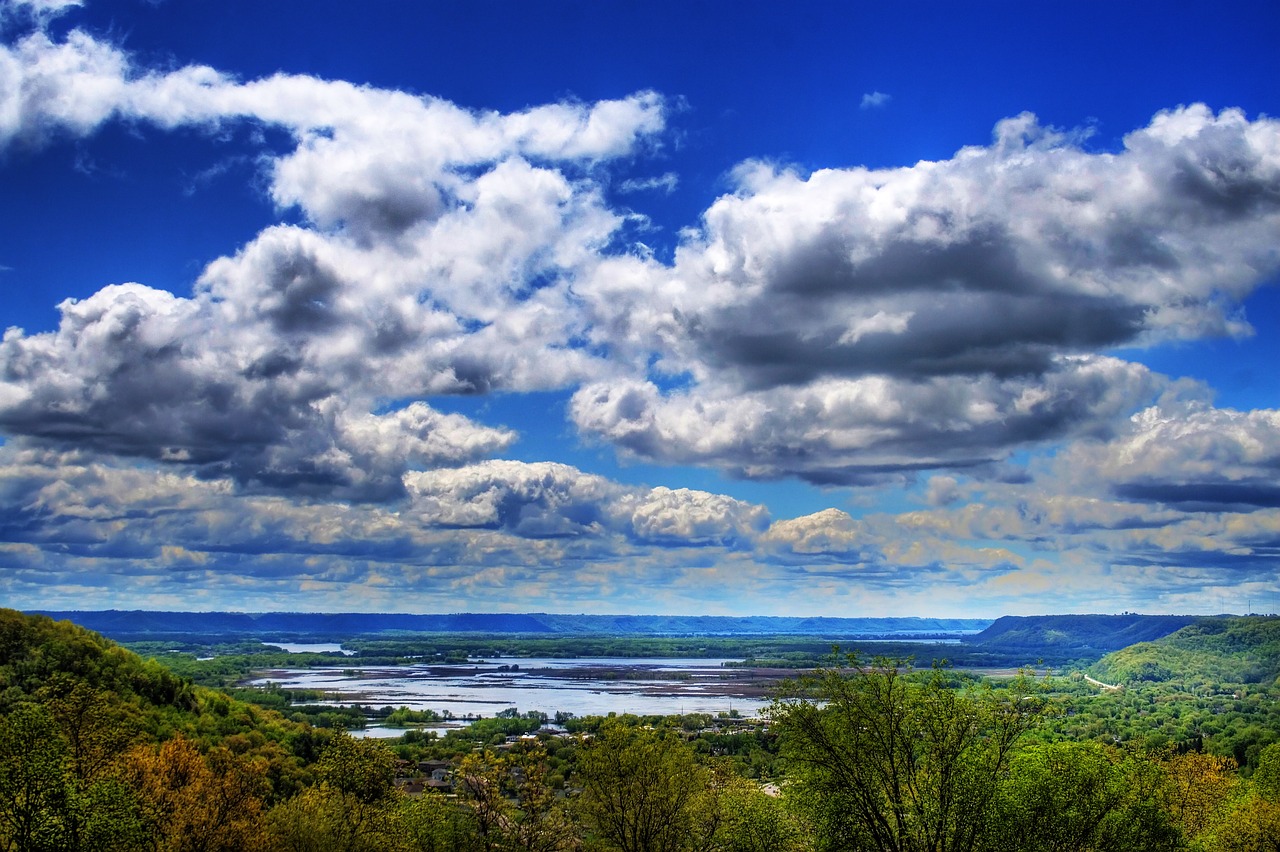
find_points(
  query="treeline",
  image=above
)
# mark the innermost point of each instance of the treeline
(100, 750)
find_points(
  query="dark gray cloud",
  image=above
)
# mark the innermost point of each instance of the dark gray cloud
(960, 334)
(1205, 496)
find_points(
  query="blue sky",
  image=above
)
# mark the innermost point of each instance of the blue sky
(842, 309)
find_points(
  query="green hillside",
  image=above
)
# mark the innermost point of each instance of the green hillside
(1054, 635)
(1212, 651)
(94, 691)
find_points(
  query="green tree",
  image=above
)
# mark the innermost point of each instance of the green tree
(35, 785)
(59, 795)
(883, 759)
(757, 822)
(352, 808)
(364, 770)
(512, 803)
(644, 791)
(1266, 778)
(432, 823)
(1084, 797)
(96, 726)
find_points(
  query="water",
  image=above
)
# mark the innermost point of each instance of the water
(309, 648)
(581, 686)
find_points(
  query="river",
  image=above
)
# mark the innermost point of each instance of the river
(592, 686)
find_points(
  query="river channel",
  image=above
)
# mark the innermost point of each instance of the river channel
(594, 686)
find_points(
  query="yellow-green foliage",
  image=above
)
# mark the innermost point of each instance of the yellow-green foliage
(1211, 652)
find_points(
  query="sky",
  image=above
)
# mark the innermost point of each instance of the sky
(846, 309)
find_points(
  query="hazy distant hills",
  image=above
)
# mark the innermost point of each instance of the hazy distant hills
(138, 624)
(763, 625)
(1054, 635)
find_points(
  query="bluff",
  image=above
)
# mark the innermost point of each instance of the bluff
(1210, 652)
(1084, 633)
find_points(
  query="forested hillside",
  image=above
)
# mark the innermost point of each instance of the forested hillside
(1204, 655)
(101, 750)
(1058, 634)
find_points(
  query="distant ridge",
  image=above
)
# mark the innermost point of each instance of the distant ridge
(1083, 632)
(135, 624)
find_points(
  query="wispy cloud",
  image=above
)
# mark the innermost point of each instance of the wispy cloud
(875, 100)
(666, 183)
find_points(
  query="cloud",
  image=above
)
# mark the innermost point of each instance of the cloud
(139, 372)
(941, 314)
(830, 531)
(46, 6)
(488, 533)
(942, 491)
(875, 100)
(548, 499)
(973, 255)
(70, 500)
(685, 516)
(544, 499)
(437, 258)
(42, 12)
(844, 432)
(76, 84)
(844, 326)
(665, 183)
(46, 87)
(1189, 456)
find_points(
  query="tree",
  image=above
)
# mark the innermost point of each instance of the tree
(883, 759)
(432, 823)
(757, 822)
(1266, 778)
(512, 804)
(644, 791)
(1197, 785)
(480, 782)
(1252, 824)
(351, 809)
(1084, 797)
(34, 781)
(93, 723)
(198, 804)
